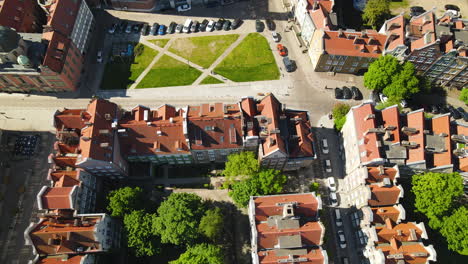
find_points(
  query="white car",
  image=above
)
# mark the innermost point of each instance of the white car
(342, 239)
(325, 146)
(275, 36)
(187, 25)
(331, 184)
(184, 8)
(338, 220)
(99, 57)
(210, 26)
(333, 199)
(383, 98)
(327, 164)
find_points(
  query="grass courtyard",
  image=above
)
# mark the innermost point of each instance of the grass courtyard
(159, 42)
(202, 50)
(210, 80)
(169, 72)
(252, 60)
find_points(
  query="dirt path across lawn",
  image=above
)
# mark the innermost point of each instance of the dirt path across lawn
(439, 5)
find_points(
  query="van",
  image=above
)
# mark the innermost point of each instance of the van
(187, 25)
(288, 64)
(338, 220)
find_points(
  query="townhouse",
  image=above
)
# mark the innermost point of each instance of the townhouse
(286, 229)
(51, 61)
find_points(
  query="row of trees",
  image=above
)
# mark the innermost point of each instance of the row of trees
(439, 196)
(182, 220)
(245, 177)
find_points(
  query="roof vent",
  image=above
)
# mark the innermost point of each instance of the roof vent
(171, 120)
(418, 254)
(148, 123)
(443, 135)
(409, 130)
(341, 33)
(369, 116)
(381, 170)
(159, 132)
(288, 210)
(409, 144)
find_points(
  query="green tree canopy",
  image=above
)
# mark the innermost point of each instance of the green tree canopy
(375, 12)
(124, 200)
(380, 72)
(211, 224)
(404, 84)
(339, 115)
(140, 233)
(435, 193)
(243, 164)
(271, 181)
(242, 190)
(464, 95)
(201, 254)
(179, 218)
(455, 230)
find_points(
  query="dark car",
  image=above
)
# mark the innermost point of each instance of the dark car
(416, 10)
(219, 24)
(227, 25)
(154, 29)
(347, 94)
(203, 25)
(289, 64)
(338, 93)
(357, 95)
(122, 26)
(237, 22)
(136, 28)
(434, 109)
(270, 24)
(112, 28)
(259, 25)
(452, 7)
(171, 28)
(463, 113)
(162, 30)
(145, 30)
(454, 112)
(194, 27)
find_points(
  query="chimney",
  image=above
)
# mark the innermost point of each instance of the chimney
(381, 170)
(145, 115)
(363, 34)
(341, 33)
(288, 211)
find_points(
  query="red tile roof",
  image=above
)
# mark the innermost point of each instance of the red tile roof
(270, 108)
(313, 256)
(416, 120)
(63, 15)
(356, 44)
(164, 135)
(407, 250)
(377, 174)
(422, 30)
(401, 232)
(64, 162)
(384, 196)
(310, 232)
(441, 125)
(307, 205)
(304, 146)
(69, 118)
(395, 30)
(215, 126)
(249, 108)
(463, 162)
(57, 198)
(391, 118)
(66, 259)
(320, 14)
(364, 118)
(382, 213)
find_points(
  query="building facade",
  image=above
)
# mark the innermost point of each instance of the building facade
(23, 16)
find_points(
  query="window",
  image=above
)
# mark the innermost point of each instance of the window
(352, 69)
(326, 68)
(329, 62)
(341, 63)
(355, 64)
(338, 69)
(335, 62)
(364, 65)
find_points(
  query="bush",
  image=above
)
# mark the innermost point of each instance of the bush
(339, 115)
(464, 96)
(314, 187)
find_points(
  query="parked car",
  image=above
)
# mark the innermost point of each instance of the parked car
(383, 98)
(194, 27)
(289, 64)
(237, 22)
(275, 36)
(136, 28)
(183, 8)
(357, 95)
(338, 93)
(341, 239)
(452, 7)
(327, 165)
(112, 28)
(187, 25)
(99, 56)
(463, 113)
(203, 25)
(162, 30)
(416, 10)
(270, 24)
(122, 26)
(259, 25)
(338, 219)
(325, 149)
(210, 26)
(172, 27)
(179, 28)
(282, 50)
(144, 30)
(331, 184)
(154, 29)
(454, 112)
(128, 29)
(347, 94)
(227, 25)
(219, 24)
(333, 199)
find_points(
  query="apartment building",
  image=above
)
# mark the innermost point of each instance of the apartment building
(286, 229)
(23, 16)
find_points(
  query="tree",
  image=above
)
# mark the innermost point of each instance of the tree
(375, 12)
(140, 234)
(435, 193)
(271, 181)
(179, 218)
(124, 200)
(201, 254)
(339, 115)
(243, 164)
(404, 84)
(211, 224)
(380, 72)
(464, 96)
(242, 190)
(455, 230)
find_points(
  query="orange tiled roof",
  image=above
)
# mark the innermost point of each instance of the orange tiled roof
(307, 205)
(69, 118)
(57, 198)
(395, 29)
(401, 232)
(382, 213)
(356, 44)
(441, 125)
(320, 15)
(364, 117)
(422, 30)
(304, 146)
(64, 161)
(70, 259)
(463, 162)
(310, 232)
(375, 174)
(269, 107)
(249, 109)
(313, 256)
(416, 120)
(383, 196)
(408, 251)
(391, 118)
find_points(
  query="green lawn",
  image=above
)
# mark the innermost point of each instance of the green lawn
(169, 72)
(159, 42)
(120, 74)
(210, 80)
(202, 50)
(398, 4)
(252, 60)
